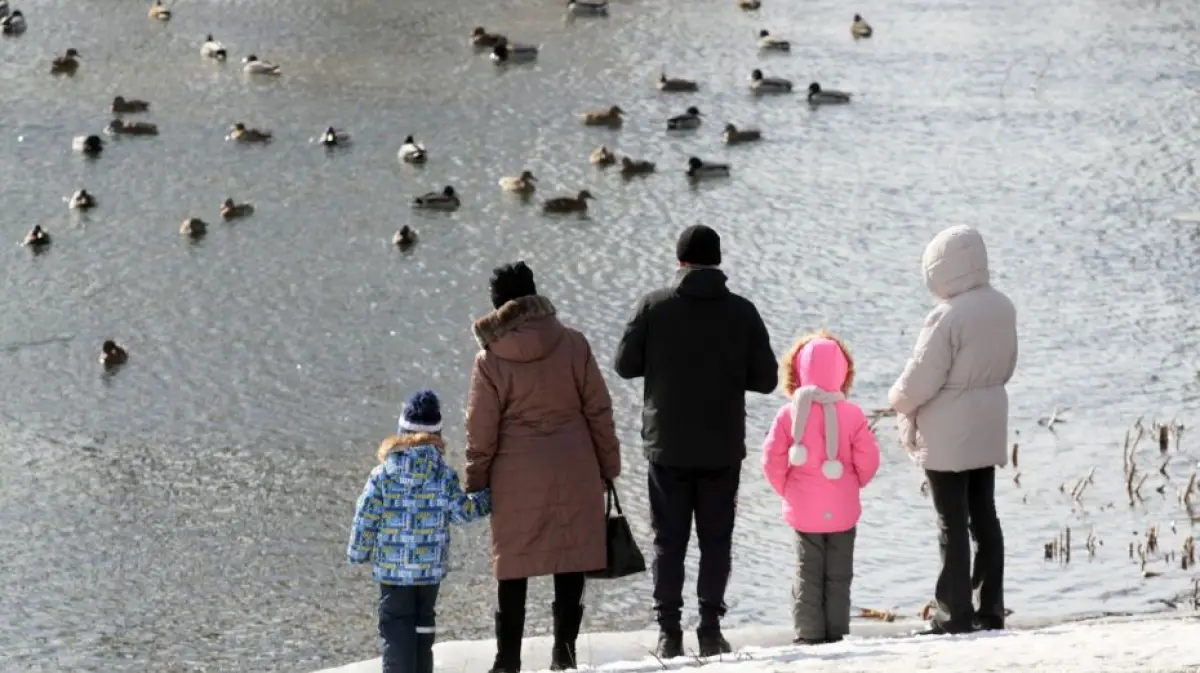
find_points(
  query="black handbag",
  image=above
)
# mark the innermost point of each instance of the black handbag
(623, 556)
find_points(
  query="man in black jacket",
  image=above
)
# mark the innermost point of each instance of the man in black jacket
(699, 348)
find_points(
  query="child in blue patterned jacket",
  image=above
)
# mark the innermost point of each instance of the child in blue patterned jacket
(402, 521)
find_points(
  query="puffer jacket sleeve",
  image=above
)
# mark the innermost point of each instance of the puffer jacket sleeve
(762, 374)
(483, 426)
(927, 369)
(597, 409)
(775, 449)
(864, 448)
(630, 362)
(366, 522)
(462, 507)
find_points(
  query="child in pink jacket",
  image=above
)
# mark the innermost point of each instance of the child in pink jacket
(818, 455)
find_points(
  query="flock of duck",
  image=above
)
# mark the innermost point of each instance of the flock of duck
(504, 52)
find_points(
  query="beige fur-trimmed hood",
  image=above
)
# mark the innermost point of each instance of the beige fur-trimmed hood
(523, 330)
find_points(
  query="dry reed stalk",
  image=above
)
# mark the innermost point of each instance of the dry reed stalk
(1015, 450)
(1137, 490)
(1164, 438)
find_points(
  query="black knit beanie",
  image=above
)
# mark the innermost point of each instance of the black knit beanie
(511, 281)
(699, 245)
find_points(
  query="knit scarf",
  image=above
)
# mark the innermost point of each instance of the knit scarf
(802, 401)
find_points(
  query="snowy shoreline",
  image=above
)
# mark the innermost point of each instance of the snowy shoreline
(1149, 644)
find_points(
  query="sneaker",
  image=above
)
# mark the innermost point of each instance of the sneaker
(987, 623)
(941, 629)
(670, 644)
(808, 641)
(834, 639)
(712, 643)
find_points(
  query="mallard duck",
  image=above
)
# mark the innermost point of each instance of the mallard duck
(635, 167)
(601, 156)
(507, 52)
(733, 135)
(568, 204)
(66, 64)
(405, 238)
(412, 152)
(81, 200)
(860, 28)
(254, 66)
(768, 42)
(233, 211)
(686, 121)
(481, 38)
(761, 84)
(13, 24)
(610, 117)
(193, 227)
(446, 199)
(213, 49)
(87, 144)
(749, 5)
(112, 355)
(819, 96)
(159, 11)
(699, 169)
(37, 237)
(332, 137)
(587, 7)
(672, 84)
(122, 106)
(120, 127)
(522, 184)
(243, 134)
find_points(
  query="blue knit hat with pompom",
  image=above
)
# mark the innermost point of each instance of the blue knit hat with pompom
(422, 413)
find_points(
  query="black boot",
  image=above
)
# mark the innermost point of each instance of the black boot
(510, 628)
(712, 643)
(566, 630)
(670, 643)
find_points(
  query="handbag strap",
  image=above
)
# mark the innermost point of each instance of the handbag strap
(611, 499)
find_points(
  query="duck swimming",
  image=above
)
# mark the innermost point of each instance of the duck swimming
(522, 184)
(481, 38)
(587, 7)
(254, 66)
(749, 5)
(761, 84)
(405, 238)
(66, 64)
(233, 211)
(768, 42)
(333, 137)
(819, 96)
(159, 11)
(81, 200)
(686, 121)
(122, 106)
(860, 28)
(112, 355)
(37, 237)
(213, 49)
(412, 152)
(631, 167)
(733, 135)
(507, 52)
(568, 204)
(601, 156)
(672, 84)
(120, 127)
(193, 227)
(446, 200)
(243, 134)
(90, 145)
(13, 24)
(699, 169)
(610, 117)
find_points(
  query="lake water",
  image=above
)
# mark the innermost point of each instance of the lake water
(190, 512)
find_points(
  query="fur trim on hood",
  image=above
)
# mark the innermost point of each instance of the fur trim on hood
(399, 443)
(509, 317)
(787, 366)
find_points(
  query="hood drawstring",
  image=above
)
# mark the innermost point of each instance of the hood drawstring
(802, 401)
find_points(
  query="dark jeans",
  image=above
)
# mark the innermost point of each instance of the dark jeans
(406, 625)
(677, 495)
(568, 590)
(966, 508)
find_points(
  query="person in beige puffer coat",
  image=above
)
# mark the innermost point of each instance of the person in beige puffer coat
(953, 414)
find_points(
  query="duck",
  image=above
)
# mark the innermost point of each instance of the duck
(193, 227)
(81, 200)
(120, 127)
(66, 64)
(630, 167)
(112, 355)
(568, 204)
(749, 5)
(159, 11)
(213, 49)
(601, 156)
(481, 38)
(122, 106)
(412, 152)
(332, 137)
(587, 7)
(699, 169)
(768, 42)
(673, 84)
(860, 28)
(405, 238)
(819, 96)
(761, 84)
(507, 52)
(686, 121)
(37, 237)
(91, 145)
(733, 135)
(610, 117)
(523, 184)
(233, 211)
(254, 66)
(446, 200)
(243, 134)
(13, 24)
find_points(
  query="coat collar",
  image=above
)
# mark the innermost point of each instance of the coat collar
(509, 317)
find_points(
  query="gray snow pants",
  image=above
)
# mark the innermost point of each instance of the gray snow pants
(821, 594)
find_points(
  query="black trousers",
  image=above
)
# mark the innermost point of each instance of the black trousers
(677, 495)
(966, 508)
(406, 625)
(568, 590)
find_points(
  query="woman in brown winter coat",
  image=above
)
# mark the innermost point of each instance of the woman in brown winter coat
(540, 434)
